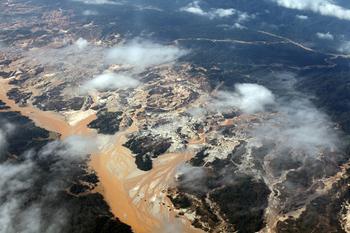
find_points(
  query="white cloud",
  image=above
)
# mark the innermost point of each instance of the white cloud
(138, 53)
(171, 226)
(71, 148)
(2, 46)
(299, 126)
(223, 12)
(323, 7)
(238, 26)
(6, 129)
(239, 16)
(195, 8)
(249, 98)
(3, 142)
(81, 43)
(302, 17)
(28, 190)
(191, 178)
(77, 59)
(344, 47)
(15, 178)
(90, 12)
(148, 7)
(71, 59)
(197, 112)
(143, 54)
(99, 2)
(296, 124)
(111, 81)
(325, 36)
(244, 16)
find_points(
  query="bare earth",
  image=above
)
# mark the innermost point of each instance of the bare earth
(137, 198)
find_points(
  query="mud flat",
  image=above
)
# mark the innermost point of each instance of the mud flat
(137, 198)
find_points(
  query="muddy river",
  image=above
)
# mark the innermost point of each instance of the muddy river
(137, 198)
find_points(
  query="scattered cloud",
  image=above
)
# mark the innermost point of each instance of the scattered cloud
(238, 26)
(171, 227)
(325, 36)
(344, 47)
(3, 142)
(195, 8)
(299, 126)
(249, 98)
(29, 203)
(71, 148)
(239, 17)
(2, 46)
(323, 7)
(89, 12)
(143, 54)
(148, 7)
(15, 180)
(243, 16)
(293, 129)
(302, 17)
(6, 129)
(191, 178)
(296, 123)
(76, 58)
(99, 2)
(137, 55)
(111, 81)
(81, 43)
(70, 59)
(197, 112)
(223, 12)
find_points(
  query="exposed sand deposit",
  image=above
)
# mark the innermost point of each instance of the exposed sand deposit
(137, 198)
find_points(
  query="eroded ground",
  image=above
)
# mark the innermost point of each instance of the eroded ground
(168, 155)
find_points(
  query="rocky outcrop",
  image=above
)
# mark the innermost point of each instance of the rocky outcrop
(324, 213)
(147, 147)
(107, 122)
(3, 106)
(52, 100)
(18, 96)
(226, 200)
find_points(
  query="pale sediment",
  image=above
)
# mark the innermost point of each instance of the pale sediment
(137, 198)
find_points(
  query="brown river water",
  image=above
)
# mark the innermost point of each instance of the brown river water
(137, 198)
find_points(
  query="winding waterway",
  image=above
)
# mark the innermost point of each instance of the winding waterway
(137, 198)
